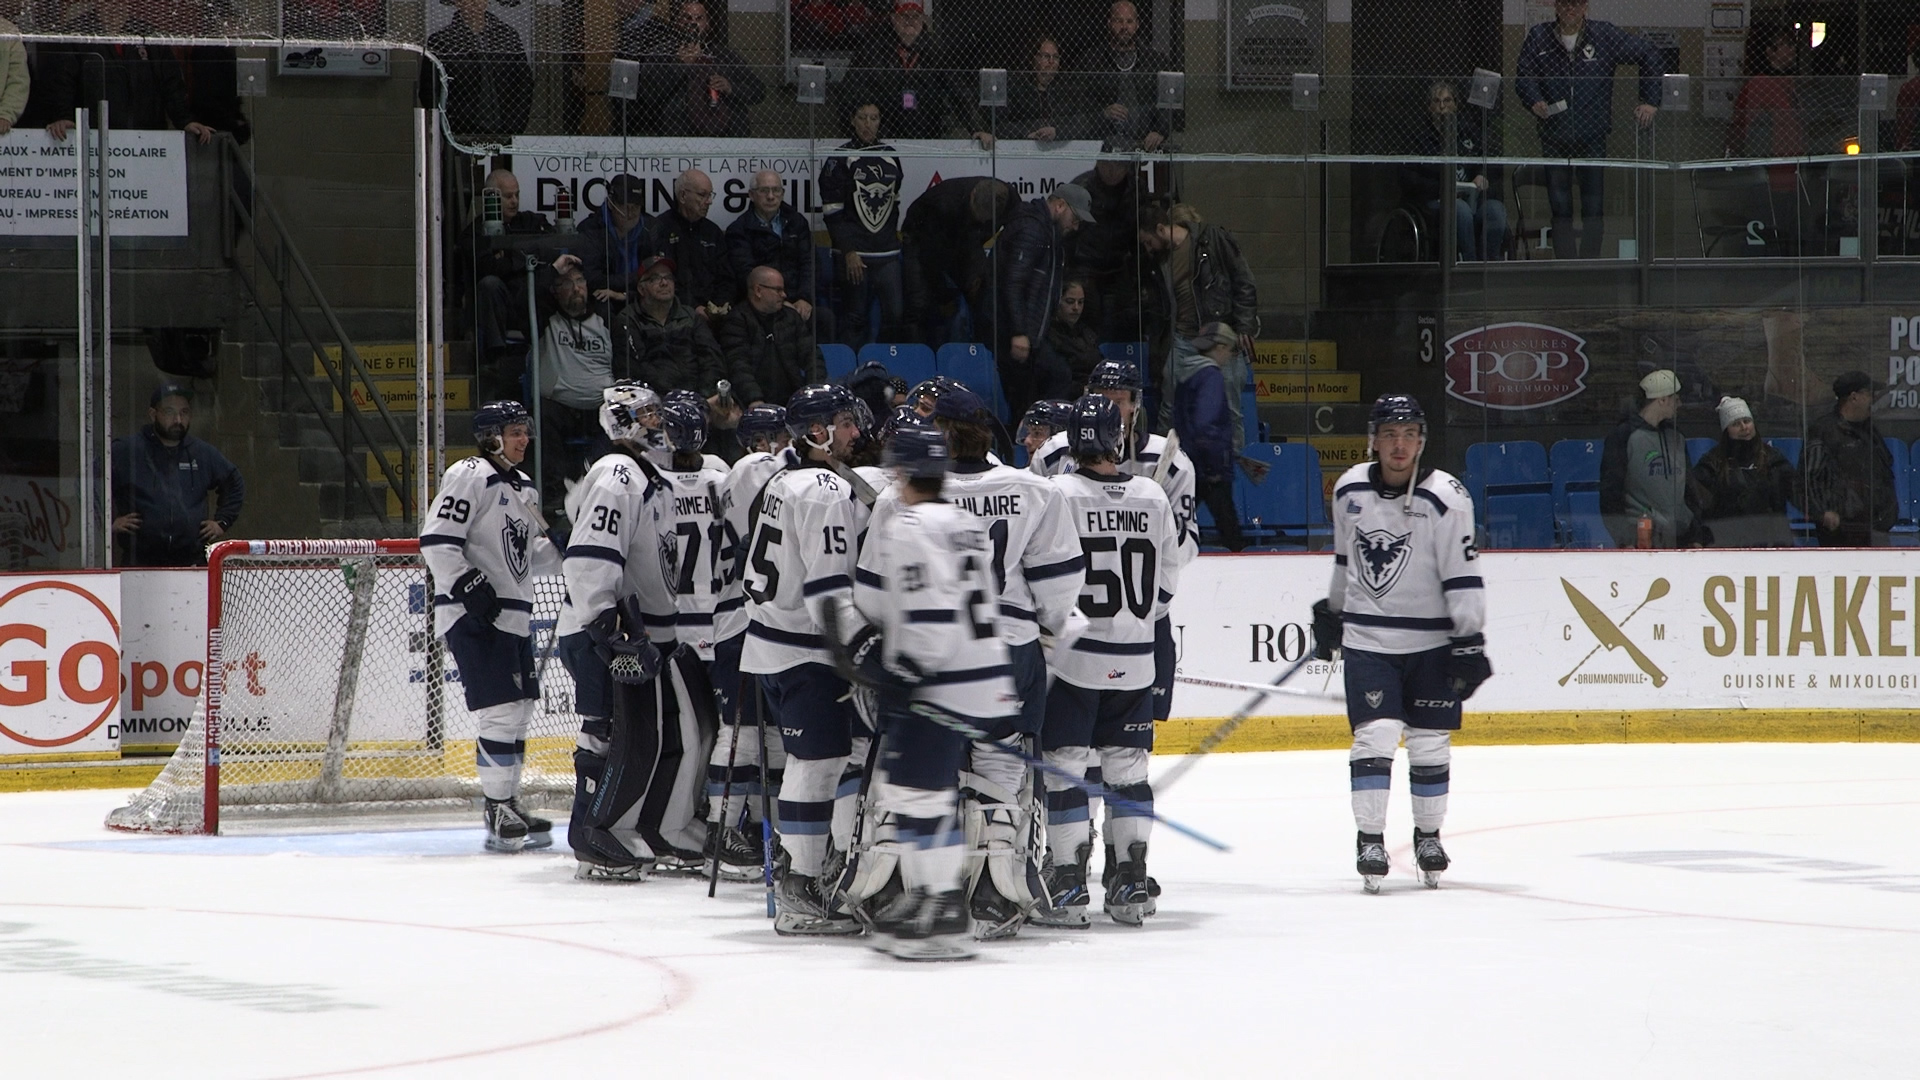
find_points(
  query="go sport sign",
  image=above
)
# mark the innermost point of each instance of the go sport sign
(59, 663)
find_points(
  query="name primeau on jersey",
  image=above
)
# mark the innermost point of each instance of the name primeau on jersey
(689, 505)
(1111, 521)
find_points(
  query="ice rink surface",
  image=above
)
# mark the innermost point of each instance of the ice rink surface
(1695, 910)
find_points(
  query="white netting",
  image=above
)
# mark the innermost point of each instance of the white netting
(336, 697)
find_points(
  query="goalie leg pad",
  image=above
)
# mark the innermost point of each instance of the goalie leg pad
(687, 741)
(592, 686)
(1370, 764)
(1430, 758)
(1003, 865)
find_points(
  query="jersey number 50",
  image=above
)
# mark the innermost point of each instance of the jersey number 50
(1133, 579)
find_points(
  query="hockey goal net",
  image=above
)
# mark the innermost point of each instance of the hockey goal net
(327, 693)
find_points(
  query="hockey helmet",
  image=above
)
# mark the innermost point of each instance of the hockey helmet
(683, 421)
(629, 412)
(902, 414)
(1114, 375)
(956, 402)
(762, 421)
(1048, 414)
(917, 449)
(820, 403)
(491, 421)
(1396, 409)
(1093, 427)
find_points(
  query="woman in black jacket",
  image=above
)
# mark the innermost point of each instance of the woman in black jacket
(1747, 484)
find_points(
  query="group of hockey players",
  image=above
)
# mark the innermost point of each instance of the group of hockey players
(896, 671)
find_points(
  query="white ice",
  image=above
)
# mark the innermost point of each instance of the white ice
(1700, 910)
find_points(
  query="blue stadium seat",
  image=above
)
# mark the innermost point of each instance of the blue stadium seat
(1582, 525)
(1512, 476)
(1135, 351)
(1796, 520)
(1250, 417)
(1789, 448)
(911, 362)
(972, 363)
(839, 359)
(1697, 449)
(1290, 504)
(1522, 520)
(1906, 533)
(1575, 468)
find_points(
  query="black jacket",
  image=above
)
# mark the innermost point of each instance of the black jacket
(1077, 346)
(1745, 486)
(1107, 247)
(142, 85)
(678, 354)
(923, 76)
(679, 99)
(1138, 89)
(752, 242)
(1030, 258)
(1424, 181)
(769, 356)
(1849, 470)
(1223, 288)
(861, 193)
(609, 260)
(168, 486)
(489, 81)
(699, 253)
(1061, 105)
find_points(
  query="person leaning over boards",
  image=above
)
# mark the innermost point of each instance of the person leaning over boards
(1745, 484)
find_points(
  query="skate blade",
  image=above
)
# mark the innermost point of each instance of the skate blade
(537, 840)
(1430, 878)
(1371, 882)
(989, 930)
(669, 864)
(501, 845)
(1066, 918)
(585, 871)
(787, 924)
(925, 950)
(1128, 914)
(736, 873)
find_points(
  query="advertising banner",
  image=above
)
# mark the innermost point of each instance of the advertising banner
(59, 663)
(146, 183)
(165, 640)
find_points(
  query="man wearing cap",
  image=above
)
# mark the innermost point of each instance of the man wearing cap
(1031, 252)
(1205, 424)
(614, 238)
(910, 76)
(161, 479)
(1849, 470)
(664, 343)
(1643, 472)
(696, 246)
(1745, 485)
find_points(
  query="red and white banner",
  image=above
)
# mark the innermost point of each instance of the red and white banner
(165, 636)
(60, 675)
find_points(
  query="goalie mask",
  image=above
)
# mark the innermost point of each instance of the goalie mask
(630, 413)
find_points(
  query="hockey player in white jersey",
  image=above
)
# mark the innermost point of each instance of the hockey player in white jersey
(801, 551)
(1100, 705)
(483, 545)
(733, 770)
(618, 619)
(931, 641)
(1405, 609)
(702, 546)
(1038, 570)
(1044, 420)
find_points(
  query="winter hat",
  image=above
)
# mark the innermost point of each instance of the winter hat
(1732, 409)
(1659, 384)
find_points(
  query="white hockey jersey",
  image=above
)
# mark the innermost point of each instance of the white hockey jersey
(926, 583)
(737, 497)
(1406, 576)
(621, 546)
(487, 519)
(702, 551)
(804, 544)
(1133, 566)
(1055, 459)
(1037, 564)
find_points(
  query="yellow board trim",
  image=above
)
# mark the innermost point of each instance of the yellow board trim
(1262, 733)
(77, 777)
(51, 759)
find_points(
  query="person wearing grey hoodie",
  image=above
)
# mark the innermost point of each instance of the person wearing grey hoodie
(1643, 473)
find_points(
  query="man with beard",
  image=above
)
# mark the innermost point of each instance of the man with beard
(161, 479)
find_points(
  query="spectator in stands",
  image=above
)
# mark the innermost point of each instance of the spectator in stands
(942, 239)
(1070, 336)
(832, 25)
(1106, 254)
(911, 77)
(696, 246)
(661, 341)
(1906, 109)
(489, 89)
(769, 348)
(1042, 106)
(498, 271)
(1849, 470)
(771, 232)
(1030, 259)
(1565, 77)
(576, 364)
(698, 86)
(1643, 473)
(614, 238)
(1745, 485)
(15, 81)
(1200, 278)
(1206, 425)
(1480, 218)
(161, 479)
(142, 86)
(1767, 117)
(1126, 96)
(861, 193)
(643, 28)
(213, 90)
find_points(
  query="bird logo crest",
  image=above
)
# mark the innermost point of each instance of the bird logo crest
(513, 542)
(1382, 556)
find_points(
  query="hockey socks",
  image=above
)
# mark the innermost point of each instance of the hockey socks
(1371, 777)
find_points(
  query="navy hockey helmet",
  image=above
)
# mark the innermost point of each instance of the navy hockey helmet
(683, 420)
(1093, 427)
(1396, 409)
(490, 422)
(917, 449)
(1049, 414)
(926, 394)
(820, 403)
(1114, 375)
(956, 402)
(902, 414)
(761, 422)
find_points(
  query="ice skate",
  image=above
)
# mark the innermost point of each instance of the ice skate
(506, 830)
(1128, 899)
(600, 856)
(739, 857)
(994, 916)
(804, 910)
(934, 927)
(539, 829)
(1431, 857)
(1371, 860)
(1067, 895)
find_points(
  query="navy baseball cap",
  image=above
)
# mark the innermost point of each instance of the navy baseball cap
(167, 390)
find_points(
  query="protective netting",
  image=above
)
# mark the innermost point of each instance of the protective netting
(335, 696)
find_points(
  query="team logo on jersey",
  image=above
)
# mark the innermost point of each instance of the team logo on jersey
(1352, 507)
(670, 560)
(1116, 673)
(1383, 555)
(1375, 697)
(514, 537)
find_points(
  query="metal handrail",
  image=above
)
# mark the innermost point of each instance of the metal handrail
(343, 375)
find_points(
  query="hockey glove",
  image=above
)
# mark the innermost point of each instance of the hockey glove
(1326, 631)
(1467, 664)
(868, 651)
(630, 658)
(474, 591)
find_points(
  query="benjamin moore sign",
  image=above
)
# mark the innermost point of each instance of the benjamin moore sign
(146, 183)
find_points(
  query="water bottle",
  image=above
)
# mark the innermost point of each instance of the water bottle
(563, 211)
(490, 221)
(1643, 535)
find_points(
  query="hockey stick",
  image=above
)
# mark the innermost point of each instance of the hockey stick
(1165, 465)
(1263, 689)
(766, 799)
(726, 786)
(1227, 727)
(861, 489)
